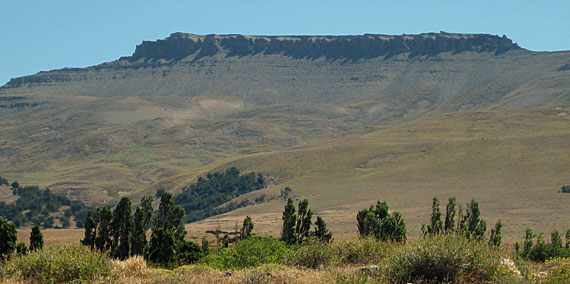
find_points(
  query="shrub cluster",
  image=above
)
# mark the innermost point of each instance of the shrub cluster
(249, 252)
(40, 207)
(443, 258)
(203, 198)
(59, 264)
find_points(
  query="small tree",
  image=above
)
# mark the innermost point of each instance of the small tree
(90, 231)
(205, 245)
(8, 238)
(303, 226)
(527, 245)
(436, 226)
(289, 220)
(247, 228)
(450, 215)
(36, 239)
(122, 226)
(142, 219)
(378, 222)
(167, 232)
(21, 249)
(103, 220)
(496, 237)
(567, 237)
(161, 248)
(473, 226)
(321, 232)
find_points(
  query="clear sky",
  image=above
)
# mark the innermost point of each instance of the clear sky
(43, 35)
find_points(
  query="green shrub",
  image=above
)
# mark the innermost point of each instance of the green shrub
(250, 252)
(366, 250)
(59, 264)
(311, 254)
(440, 258)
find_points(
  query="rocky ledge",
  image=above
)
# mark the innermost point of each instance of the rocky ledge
(181, 45)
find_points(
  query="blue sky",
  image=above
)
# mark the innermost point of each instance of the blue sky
(44, 35)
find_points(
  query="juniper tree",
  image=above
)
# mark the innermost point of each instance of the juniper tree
(321, 232)
(527, 245)
(21, 249)
(167, 231)
(103, 220)
(161, 248)
(555, 240)
(121, 228)
(205, 245)
(289, 220)
(36, 239)
(450, 215)
(303, 226)
(90, 231)
(435, 227)
(142, 219)
(496, 237)
(170, 217)
(366, 222)
(8, 238)
(376, 221)
(473, 226)
(247, 228)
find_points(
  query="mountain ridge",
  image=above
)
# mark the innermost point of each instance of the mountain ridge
(179, 46)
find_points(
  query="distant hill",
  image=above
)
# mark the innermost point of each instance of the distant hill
(188, 104)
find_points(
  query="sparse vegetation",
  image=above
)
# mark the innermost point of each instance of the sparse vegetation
(453, 256)
(59, 264)
(41, 207)
(203, 198)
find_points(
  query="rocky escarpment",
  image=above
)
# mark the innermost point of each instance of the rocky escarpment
(191, 48)
(181, 45)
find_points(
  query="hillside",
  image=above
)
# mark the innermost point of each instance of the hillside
(351, 114)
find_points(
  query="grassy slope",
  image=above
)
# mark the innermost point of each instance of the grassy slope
(513, 162)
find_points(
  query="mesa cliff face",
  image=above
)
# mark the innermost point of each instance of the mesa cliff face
(192, 48)
(180, 45)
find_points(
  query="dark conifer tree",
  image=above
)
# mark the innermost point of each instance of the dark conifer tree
(289, 220)
(8, 238)
(121, 228)
(450, 215)
(90, 231)
(103, 220)
(36, 239)
(247, 228)
(303, 226)
(143, 215)
(496, 237)
(321, 232)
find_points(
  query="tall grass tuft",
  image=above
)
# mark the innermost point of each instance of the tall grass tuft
(312, 254)
(59, 264)
(134, 266)
(364, 250)
(443, 258)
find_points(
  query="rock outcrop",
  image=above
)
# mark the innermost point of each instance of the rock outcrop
(181, 45)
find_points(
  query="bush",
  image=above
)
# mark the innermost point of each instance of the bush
(449, 258)
(363, 251)
(250, 252)
(59, 264)
(560, 273)
(312, 254)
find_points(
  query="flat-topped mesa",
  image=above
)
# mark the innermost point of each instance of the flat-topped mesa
(351, 47)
